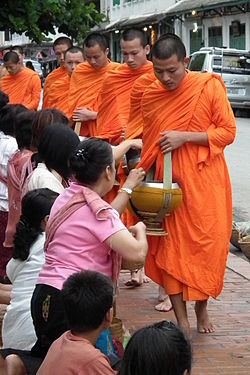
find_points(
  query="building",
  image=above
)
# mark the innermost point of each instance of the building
(212, 23)
(219, 23)
(145, 14)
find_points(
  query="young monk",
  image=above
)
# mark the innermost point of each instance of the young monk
(86, 82)
(23, 85)
(134, 130)
(60, 45)
(115, 94)
(58, 95)
(188, 114)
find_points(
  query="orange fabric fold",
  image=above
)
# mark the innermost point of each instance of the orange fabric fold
(23, 88)
(49, 81)
(195, 250)
(58, 95)
(85, 85)
(114, 104)
(135, 122)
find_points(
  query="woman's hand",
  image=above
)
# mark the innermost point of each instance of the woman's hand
(134, 178)
(140, 228)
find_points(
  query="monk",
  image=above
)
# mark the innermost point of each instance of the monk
(114, 105)
(60, 45)
(3, 70)
(21, 84)
(86, 82)
(58, 95)
(188, 114)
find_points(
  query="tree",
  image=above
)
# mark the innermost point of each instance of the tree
(38, 18)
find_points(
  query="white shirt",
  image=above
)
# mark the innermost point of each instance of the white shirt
(43, 178)
(8, 146)
(18, 330)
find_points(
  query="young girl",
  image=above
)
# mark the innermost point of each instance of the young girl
(23, 269)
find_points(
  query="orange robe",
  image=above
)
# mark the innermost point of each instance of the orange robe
(58, 95)
(50, 80)
(114, 105)
(85, 85)
(23, 88)
(135, 122)
(192, 258)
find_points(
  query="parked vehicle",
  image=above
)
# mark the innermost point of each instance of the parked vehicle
(37, 66)
(234, 68)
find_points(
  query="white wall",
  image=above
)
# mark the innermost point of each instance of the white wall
(183, 29)
(133, 8)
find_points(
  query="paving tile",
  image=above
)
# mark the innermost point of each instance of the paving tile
(227, 350)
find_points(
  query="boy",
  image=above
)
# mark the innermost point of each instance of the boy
(88, 299)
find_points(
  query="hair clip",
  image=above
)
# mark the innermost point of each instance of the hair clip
(82, 153)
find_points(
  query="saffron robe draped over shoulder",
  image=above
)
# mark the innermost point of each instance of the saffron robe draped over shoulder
(58, 95)
(50, 80)
(135, 122)
(195, 250)
(114, 104)
(23, 88)
(85, 85)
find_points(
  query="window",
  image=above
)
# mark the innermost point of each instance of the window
(215, 36)
(237, 35)
(116, 2)
(234, 64)
(197, 62)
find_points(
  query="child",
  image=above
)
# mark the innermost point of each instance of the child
(159, 349)
(87, 299)
(8, 146)
(24, 267)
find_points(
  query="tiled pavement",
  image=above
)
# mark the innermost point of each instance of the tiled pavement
(227, 350)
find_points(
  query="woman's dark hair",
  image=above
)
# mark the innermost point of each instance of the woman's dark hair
(159, 349)
(56, 145)
(4, 99)
(23, 129)
(90, 159)
(8, 117)
(44, 118)
(36, 204)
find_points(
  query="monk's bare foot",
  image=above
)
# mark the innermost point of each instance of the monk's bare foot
(136, 279)
(165, 305)
(204, 324)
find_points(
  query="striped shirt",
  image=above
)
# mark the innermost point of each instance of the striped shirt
(8, 146)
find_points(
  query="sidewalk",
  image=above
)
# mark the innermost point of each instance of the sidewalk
(227, 350)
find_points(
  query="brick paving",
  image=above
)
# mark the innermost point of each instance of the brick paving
(227, 350)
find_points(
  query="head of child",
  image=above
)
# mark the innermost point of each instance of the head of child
(92, 164)
(159, 349)
(8, 115)
(88, 299)
(36, 206)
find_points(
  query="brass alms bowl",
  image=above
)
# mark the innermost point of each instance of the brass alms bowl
(151, 202)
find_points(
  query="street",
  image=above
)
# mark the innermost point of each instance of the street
(238, 161)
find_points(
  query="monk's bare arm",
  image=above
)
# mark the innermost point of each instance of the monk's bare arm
(84, 114)
(173, 139)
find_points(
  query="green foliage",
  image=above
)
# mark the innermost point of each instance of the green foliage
(38, 18)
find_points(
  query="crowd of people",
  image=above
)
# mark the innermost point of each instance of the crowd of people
(64, 225)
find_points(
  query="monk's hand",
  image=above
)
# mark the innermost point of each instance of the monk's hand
(84, 114)
(170, 140)
(134, 178)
